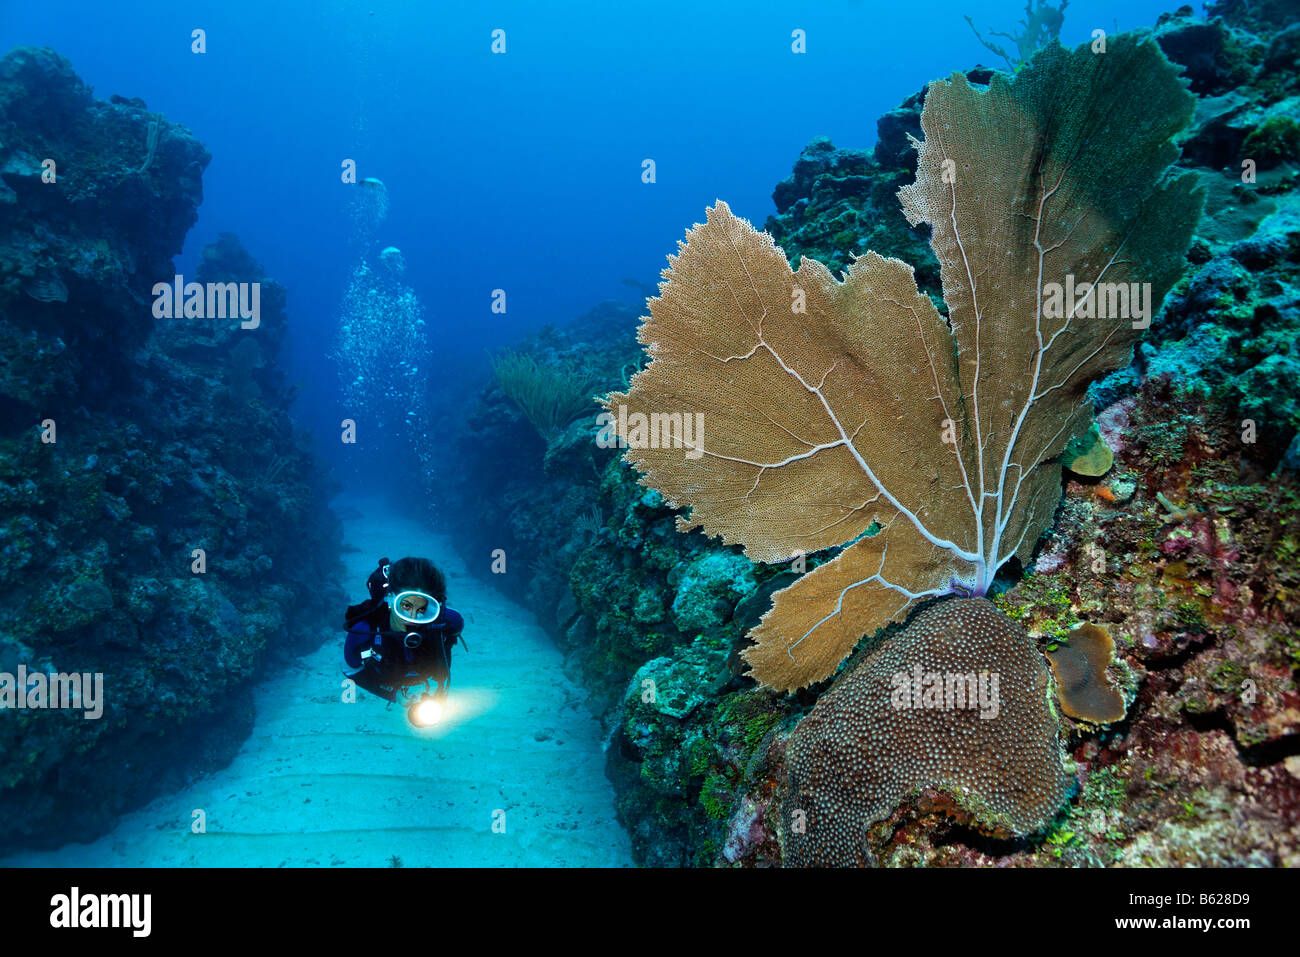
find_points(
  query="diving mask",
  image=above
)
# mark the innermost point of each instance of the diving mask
(415, 607)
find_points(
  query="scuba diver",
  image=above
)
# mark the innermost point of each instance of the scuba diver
(402, 635)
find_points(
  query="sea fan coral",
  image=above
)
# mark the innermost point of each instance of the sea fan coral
(836, 409)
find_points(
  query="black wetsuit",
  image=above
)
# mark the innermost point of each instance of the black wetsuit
(369, 626)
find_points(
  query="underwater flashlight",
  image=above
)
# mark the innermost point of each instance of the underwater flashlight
(425, 712)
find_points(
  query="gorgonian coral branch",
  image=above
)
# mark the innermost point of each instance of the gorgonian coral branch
(819, 394)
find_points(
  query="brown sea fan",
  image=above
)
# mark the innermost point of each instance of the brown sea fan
(851, 411)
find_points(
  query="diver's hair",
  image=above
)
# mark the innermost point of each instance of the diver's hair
(417, 574)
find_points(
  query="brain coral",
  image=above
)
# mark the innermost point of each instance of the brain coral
(868, 743)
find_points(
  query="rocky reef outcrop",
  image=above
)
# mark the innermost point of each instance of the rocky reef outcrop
(839, 203)
(158, 510)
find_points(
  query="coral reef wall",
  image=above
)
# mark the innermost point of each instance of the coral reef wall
(1186, 549)
(530, 495)
(126, 443)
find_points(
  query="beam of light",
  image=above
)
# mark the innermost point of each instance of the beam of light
(461, 706)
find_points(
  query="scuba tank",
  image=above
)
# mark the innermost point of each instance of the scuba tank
(377, 586)
(377, 583)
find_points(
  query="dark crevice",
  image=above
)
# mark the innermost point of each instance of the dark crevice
(966, 836)
(1198, 644)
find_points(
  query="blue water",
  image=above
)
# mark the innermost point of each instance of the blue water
(519, 171)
